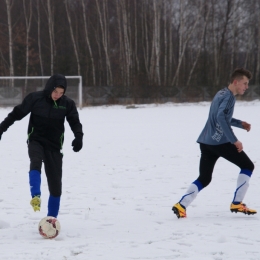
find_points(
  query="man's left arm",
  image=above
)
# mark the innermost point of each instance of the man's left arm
(241, 124)
(76, 127)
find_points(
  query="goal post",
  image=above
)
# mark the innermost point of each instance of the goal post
(14, 89)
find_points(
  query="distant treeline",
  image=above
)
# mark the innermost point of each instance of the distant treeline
(145, 47)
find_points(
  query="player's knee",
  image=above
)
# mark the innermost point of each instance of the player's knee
(56, 193)
(247, 171)
(36, 165)
(205, 182)
(249, 167)
(252, 167)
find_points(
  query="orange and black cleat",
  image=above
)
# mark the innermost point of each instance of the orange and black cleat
(242, 208)
(179, 210)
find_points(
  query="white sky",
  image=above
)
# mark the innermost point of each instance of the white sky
(119, 190)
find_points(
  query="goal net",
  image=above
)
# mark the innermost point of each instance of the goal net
(14, 89)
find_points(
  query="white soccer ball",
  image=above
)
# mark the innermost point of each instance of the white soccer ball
(49, 227)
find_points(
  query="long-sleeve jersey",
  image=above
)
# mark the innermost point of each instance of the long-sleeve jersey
(218, 126)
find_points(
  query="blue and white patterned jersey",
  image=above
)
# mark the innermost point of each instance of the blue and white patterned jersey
(218, 126)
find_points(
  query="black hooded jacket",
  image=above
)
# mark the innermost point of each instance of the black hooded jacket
(46, 124)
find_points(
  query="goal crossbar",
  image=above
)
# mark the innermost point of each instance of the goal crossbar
(47, 77)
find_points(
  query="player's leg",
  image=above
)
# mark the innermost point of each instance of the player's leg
(53, 169)
(246, 166)
(207, 162)
(35, 151)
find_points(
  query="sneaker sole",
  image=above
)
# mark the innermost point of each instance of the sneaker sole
(245, 212)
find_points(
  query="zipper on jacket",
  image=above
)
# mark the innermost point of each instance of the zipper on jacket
(55, 103)
(28, 137)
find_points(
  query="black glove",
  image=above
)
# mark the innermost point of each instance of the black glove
(77, 143)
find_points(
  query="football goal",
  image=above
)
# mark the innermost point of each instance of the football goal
(14, 89)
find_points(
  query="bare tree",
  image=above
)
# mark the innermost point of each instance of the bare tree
(104, 32)
(28, 20)
(4, 62)
(99, 71)
(232, 44)
(75, 47)
(50, 15)
(220, 29)
(156, 39)
(126, 43)
(88, 43)
(184, 37)
(136, 29)
(200, 42)
(166, 39)
(145, 41)
(257, 19)
(249, 46)
(9, 4)
(39, 36)
(151, 65)
(170, 44)
(120, 39)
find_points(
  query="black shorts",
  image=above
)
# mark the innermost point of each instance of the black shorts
(228, 151)
(52, 164)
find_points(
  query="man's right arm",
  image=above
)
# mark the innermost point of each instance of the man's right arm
(18, 113)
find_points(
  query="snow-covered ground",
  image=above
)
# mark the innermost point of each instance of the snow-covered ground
(119, 189)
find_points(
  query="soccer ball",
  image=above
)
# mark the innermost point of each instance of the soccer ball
(49, 227)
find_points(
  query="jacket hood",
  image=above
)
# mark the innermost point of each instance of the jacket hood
(53, 82)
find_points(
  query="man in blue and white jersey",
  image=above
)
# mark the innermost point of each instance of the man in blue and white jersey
(217, 139)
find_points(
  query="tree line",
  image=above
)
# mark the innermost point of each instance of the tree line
(141, 47)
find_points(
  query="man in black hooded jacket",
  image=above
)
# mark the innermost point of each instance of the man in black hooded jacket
(48, 109)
